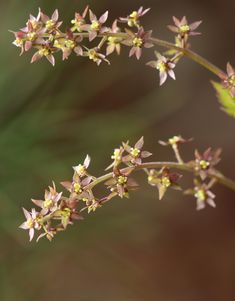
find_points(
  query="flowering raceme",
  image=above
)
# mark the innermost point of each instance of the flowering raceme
(44, 34)
(58, 210)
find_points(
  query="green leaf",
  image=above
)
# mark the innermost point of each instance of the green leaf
(225, 99)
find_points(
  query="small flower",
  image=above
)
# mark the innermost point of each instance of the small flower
(206, 161)
(51, 23)
(77, 186)
(113, 42)
(138, 41)
(175, 140)
(96, 26)
(69, 44)
(164, 179)
(133, 19)
(135, 154)
(79, 20)
(50, 202)
(229, 81)
(121, 183)
(183, 28)
(94, 55)
(81, 169)
(117, 157)
(165, 67)
(31, 222)
(202, 193)
(46, 51)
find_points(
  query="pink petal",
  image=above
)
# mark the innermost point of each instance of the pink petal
(163, 78)
(171, 74)
(104, 17)
(51, 59)
(55, 15)
(31, 234)
(26, 213)
(195, 25)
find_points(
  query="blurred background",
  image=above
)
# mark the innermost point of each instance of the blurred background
(50, 118)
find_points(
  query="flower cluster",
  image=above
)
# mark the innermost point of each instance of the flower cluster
(57, 210)
(166, 64)
(44, 34)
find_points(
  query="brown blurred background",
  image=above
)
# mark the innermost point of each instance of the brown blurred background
(50, 118)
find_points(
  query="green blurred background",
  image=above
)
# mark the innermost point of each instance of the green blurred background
(137, 249)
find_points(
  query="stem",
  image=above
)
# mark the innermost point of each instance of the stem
(186, 52)
(191, 55)
(220, 178)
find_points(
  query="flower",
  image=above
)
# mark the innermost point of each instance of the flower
(96, 26)
(31, 222)
(133, 19)
(202, 193)
(165, 67)
(113, 42)
(229, 81)
(50, 202)
(135, 154)
(94, 55)
(183, 28)
(76, 187)
(164, 179)
(81, 169)
(79, 20)
(68, 44)
(51, 23)
(138, 41)
(175, 140)
(121, 183)
(46, 50)
(117, 157)
(206, 161)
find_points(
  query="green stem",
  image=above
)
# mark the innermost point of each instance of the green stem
(191, 55)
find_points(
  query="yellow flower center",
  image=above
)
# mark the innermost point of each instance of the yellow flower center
(92, 54)
(77, 187)
(204, 164)
(184, 28)
(135, 152)
(200, 195)
(116, 155)
(133, 19)
(69, 44)
(161, 66)
(174, 140)
(30, 223)
(95, 25)
(137, 42)
(50, 24)
(44, 51)
(48, 204)
(18, 42)
(77, 25)
(122, 180)
(31, 36)
(80, 169)
(166, 182)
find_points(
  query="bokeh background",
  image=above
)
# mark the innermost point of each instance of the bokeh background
(50, 118)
